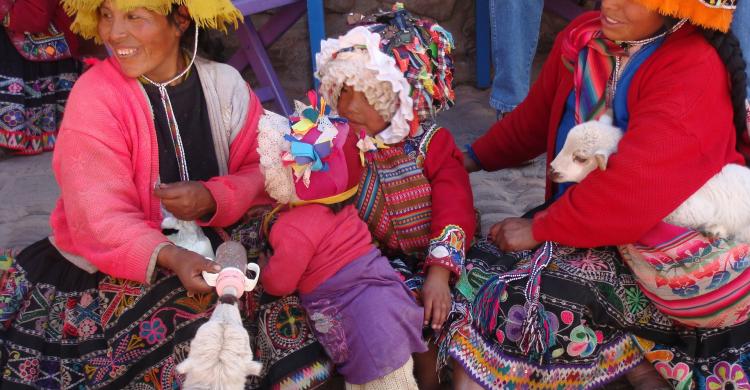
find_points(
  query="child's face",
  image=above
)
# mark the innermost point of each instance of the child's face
(353, 106)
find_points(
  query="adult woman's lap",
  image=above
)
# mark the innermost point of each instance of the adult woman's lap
(588, 304)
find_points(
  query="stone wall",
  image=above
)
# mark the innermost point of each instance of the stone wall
(290, 55)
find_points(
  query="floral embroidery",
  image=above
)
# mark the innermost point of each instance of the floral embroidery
(582, 341)
(636, 301)
(727, 376)
(517, 316)
(29, 369)
(589, 262)
(680, 372)
(87, 328)
(153, 331)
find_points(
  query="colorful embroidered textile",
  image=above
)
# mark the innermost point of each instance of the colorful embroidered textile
(394, 196)
(697, 281)
(588, 301)
(711, 359)
(42, 47)
(32, 98)
(62, 327)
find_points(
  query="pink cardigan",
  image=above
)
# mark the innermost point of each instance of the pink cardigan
(106, 164)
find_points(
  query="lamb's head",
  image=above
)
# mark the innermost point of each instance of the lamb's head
(587, 147)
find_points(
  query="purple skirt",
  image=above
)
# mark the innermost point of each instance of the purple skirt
(366, 319)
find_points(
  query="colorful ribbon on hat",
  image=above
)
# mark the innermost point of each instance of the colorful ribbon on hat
(305, 153)
(368, 144)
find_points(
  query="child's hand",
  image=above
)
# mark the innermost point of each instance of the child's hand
(188, 266)
(436, 296)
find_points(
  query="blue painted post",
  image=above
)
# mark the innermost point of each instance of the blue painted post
(316, 28)
(482, 14)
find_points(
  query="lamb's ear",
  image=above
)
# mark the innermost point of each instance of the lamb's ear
(608, 117)
(601, 159)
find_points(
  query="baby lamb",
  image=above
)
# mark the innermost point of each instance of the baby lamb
(721, 208)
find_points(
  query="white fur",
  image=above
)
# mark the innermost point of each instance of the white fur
(220, 356)
(189, 235)
(720, 208)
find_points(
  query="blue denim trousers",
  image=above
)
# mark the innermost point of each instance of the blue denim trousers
(515, 31)
(741, 28)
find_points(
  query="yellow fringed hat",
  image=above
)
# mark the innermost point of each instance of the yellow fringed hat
(713, 14)
(216, 14)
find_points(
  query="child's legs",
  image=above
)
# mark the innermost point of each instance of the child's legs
(399, 379)
(426, 368)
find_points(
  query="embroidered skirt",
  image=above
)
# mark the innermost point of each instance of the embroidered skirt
(588, 302)
(366, 319)
(61, 327)
(599, 322)
(32, 98)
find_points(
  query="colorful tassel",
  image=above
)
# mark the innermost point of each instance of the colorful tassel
(487, 305)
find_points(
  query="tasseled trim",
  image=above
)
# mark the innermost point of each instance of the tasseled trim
(713, 14)
(536, 337)
(215, 14)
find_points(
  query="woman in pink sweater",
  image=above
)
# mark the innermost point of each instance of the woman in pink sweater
(107, 301)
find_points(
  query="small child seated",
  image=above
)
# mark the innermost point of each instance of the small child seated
(359, 309)
(389, 76)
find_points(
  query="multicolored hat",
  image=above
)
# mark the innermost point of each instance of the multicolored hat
(216, 14)
(712, 14)
(310, 157)
(408, 55)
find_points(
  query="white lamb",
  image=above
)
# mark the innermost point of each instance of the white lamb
(721, 208)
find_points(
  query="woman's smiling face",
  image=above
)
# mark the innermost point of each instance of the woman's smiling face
(142, 41)
(628, 20)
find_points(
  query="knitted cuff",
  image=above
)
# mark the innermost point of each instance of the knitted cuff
(447, 249)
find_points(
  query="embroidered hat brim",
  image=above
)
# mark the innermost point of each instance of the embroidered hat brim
(215, 14)
(711, 14)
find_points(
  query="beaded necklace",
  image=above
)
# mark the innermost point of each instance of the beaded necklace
(628, 44)
(174, 129)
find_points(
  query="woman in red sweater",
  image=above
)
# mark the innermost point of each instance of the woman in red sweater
(37, 71)
(674, 85)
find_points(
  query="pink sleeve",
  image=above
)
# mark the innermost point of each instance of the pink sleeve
(93, 167)
(292, 252)
(243, 187)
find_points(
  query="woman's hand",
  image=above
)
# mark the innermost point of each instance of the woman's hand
(513, 234)
(188, 266)
(436, 296)
(186, 200)
(469, 164)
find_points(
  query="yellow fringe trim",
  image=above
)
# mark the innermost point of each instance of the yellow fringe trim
(215, 14)
(696, 11)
